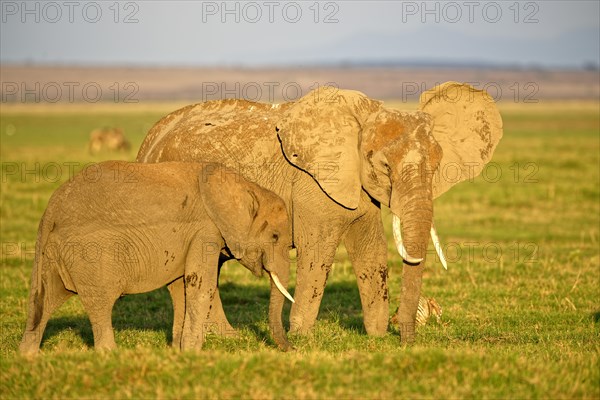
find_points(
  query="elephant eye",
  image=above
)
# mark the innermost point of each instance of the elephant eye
(387, 168)
(275, 237)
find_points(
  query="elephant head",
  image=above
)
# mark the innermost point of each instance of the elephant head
(253, 222)
(348, 143)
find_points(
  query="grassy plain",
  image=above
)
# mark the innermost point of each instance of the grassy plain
(521, 297)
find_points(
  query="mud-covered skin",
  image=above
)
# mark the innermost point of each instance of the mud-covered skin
(120, 228)
(335, 156)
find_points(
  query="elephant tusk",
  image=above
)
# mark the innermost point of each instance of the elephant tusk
(399, 244)
(438, 247)
(280, 287)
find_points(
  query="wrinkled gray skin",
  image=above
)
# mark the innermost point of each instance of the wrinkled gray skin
(334, 156)
(120, 228)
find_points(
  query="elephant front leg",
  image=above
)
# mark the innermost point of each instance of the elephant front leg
(217, 318)
(367, 249)
(313, 267)
(200, 285)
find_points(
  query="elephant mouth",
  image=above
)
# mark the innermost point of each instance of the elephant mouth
(396, 228)
(280, 287)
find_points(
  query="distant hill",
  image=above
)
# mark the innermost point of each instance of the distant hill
(383, 80)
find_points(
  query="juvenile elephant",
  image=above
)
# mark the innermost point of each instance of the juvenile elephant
(335, 157)
(119, 228)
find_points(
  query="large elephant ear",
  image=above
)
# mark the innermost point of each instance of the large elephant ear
(467, 126)
(231, 203)
(320, 134)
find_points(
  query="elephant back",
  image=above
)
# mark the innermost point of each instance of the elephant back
(218, 130)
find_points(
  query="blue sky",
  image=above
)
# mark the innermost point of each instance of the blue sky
(261, 33)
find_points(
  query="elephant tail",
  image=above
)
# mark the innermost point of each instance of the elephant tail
(468, 127)
(47, 290)
(37, 292)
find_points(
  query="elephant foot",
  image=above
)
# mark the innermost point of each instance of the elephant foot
(28, 352)
(191, 343)
(221, 328)
(30, 345)
(229, 331)
(376, 328)
(105, 344)
(300, 329)
(286, 346)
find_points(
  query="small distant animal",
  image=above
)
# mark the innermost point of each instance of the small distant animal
(107, 138)
(428, 307)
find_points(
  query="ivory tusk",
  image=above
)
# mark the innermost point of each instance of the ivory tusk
(280, 287)
(438, 247)
(399, 244)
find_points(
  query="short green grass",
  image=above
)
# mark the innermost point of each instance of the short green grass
(521, 297)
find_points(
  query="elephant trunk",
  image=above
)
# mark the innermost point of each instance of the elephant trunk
(413, 207)
(279, 282)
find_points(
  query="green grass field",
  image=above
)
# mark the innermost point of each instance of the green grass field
(521, 298)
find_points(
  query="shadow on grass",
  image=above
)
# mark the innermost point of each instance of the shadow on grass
(342, 302)
(150, 311)
(244, 306)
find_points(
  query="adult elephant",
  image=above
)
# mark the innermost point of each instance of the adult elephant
(335, 156)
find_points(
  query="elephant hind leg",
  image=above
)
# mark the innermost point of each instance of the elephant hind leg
(98, 305)
(47, 293)
(177, 292)
(367, 249)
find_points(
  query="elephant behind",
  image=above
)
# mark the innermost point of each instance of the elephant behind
(119, 228)
(335, 157)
